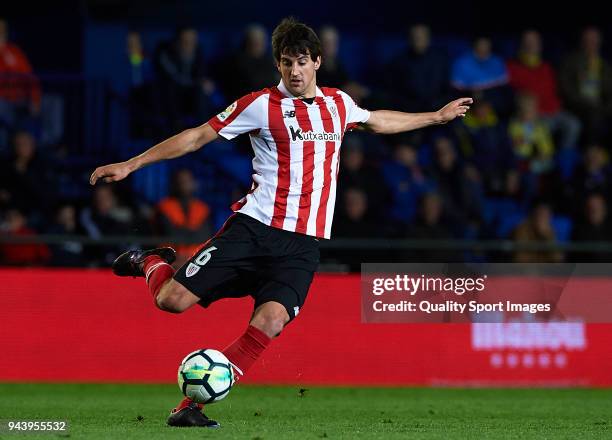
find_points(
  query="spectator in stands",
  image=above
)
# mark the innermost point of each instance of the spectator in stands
(537, 228)
(25, 180)
(485, 143)
(513, 192)
(359, 173)
(406, 182)
(141, 95)
(355, 220)
(430, 225)
(19, 88)
(532, 141)
(251, 67)
(182, 80)
(354, 217)
(67, 253)
(15, 225)
(141, 72)
(105, 217)
(459, 185)
(585, 80)
(593, 175)
(594, 226)
(183, 216)
(419, 77)
(531, 75)
(504, 206)
(332, 72)
(483, 74)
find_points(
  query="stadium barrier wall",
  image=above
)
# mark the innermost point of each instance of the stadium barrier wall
(89, 326)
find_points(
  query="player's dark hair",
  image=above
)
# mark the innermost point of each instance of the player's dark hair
(294, 38)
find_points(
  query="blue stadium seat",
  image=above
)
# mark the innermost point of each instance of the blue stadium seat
(563, 227)
(496, 209)
(567, 159)
(508, 224)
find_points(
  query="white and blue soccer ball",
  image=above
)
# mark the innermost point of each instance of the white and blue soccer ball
(206, 376)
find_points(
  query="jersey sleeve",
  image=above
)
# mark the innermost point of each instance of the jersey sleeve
(355, 115)
(242, 116)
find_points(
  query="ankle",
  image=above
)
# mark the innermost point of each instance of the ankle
(185, 403)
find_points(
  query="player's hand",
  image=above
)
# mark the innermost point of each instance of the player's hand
(110, 173)
(454, 109)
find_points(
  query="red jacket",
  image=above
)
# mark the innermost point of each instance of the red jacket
(17, 82)
(196, 217)
(540, 81)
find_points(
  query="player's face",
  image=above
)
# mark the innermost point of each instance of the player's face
(299, 74)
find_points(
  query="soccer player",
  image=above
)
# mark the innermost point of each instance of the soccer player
(269, 247)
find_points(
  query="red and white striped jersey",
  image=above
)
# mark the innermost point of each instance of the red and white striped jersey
(297, 148)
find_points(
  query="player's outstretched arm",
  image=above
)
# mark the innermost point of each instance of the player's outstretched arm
(185, 142)
(391, 122)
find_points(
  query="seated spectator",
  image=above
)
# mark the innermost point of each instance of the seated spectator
(459, 186)
(594, 226)
(141, 99)
(419, 76)
(504, 205)
(250, 68)
(105, 217)
(359, 173)
(182, 80)
(332, 72)
(19, 88)
(430, 225)
(531, 75)
(25, 180)
(585, 80)
(485, 143)
(406, 182)
(67, 253)
(594, 174)
(140, 66)
(483, 75)
(537, 228)
(183, 216)
(532, 141)
(354, 217)
(513, 194)
(15, 225)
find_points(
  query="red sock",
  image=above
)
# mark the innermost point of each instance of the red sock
(184, 404)
(245, 350)
(157, 272)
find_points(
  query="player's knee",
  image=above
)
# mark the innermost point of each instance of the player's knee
(169, 304)
(170, 300)
(270, 318)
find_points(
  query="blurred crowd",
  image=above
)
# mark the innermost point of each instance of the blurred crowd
(530, 162)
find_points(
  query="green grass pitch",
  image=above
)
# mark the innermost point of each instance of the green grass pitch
(258, 412)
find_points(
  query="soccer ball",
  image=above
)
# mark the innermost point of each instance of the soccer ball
(205, 376)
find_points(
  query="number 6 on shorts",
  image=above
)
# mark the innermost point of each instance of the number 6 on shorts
(200, 261)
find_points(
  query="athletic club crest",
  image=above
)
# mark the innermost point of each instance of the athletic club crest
(192, 269)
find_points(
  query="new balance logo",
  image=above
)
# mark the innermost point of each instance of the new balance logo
(298, 134)
(289, 114)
